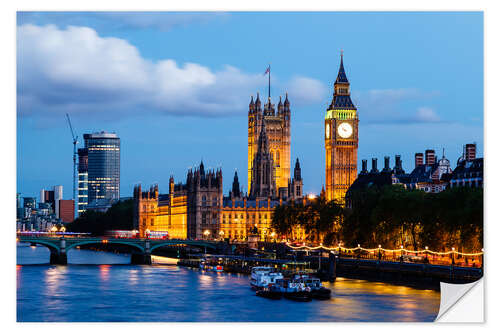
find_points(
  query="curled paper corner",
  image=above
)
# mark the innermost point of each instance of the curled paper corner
(462, 303)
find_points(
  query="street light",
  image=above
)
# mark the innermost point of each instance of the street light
(221, 234)
(206, 233)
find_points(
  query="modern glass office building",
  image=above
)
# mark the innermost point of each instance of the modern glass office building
(83, 180)
(103, 166)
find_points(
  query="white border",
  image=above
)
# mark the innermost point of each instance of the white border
(8, 136)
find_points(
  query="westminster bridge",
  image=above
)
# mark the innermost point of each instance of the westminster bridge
(143, 247)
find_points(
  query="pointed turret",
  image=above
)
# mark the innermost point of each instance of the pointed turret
(287, 102)
(257, 103)
(251, 106)
(297, 173)
(280, 106)
(202, 169)
(341, 77)
(262, 144)
(236, 186)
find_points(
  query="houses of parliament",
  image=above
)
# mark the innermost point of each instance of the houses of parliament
(198, 208)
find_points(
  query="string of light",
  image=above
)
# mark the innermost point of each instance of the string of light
(381, 249)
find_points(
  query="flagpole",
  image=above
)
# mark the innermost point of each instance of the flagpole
(269, 86)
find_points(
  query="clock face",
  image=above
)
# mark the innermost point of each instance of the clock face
(344, 130)
(327, 131)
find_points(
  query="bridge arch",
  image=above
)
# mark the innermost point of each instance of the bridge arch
(52, 246)
(110, 241)
(180, 242)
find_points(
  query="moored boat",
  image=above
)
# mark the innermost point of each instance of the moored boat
(294, 289)
(262, 277)
(299, 296)
(318, 291)
(269, 292)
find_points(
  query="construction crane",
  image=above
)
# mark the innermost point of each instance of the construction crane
(75, 142)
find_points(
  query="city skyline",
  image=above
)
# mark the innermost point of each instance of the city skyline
(401, 110)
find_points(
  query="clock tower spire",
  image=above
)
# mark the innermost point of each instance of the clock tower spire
(341, 138)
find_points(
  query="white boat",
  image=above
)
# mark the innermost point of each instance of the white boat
(262, 277)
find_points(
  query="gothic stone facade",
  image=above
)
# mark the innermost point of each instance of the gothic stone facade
(277, 129)
(198, 209)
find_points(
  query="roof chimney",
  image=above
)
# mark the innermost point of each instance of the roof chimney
(470, 151)
(419, 159)
(364, 169)
(430, 157)
(387, 168)
(374, 166)
(398, 168)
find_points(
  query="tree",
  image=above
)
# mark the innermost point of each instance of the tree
(117, 217)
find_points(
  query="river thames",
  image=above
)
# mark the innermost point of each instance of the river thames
(100, 286)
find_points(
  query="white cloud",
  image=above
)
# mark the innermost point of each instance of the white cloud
(307, 90)
(426, 115)
(402, 106)
(76, 70)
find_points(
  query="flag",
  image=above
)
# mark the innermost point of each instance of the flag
(268, 70)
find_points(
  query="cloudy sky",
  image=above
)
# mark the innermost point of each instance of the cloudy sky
(176, 86)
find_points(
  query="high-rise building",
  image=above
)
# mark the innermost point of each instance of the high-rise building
(29, 204)
(83, 179)
(58, 195)
(19, 208)
(52, 197)
(277, 127)
(66, 210)
(341, 139)
(103, 166)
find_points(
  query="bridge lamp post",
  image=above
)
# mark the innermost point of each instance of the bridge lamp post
(206, 233)
(221, 234)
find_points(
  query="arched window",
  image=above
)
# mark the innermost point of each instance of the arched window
(278, 157)
(203, 201)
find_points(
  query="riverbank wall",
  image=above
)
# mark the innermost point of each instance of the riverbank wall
(420, 276)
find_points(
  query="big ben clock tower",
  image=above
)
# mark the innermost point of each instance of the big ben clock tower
(341, 139)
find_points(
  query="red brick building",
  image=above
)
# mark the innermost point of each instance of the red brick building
(66, 210)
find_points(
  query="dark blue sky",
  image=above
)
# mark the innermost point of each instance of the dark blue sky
(175, 87)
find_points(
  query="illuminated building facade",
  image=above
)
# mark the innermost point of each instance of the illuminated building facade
(277, 129)
(341, 139)
(199, 210)
(83, 180)
(103, 166)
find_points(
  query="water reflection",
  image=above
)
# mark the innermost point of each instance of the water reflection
(109, 292)
(104, 272)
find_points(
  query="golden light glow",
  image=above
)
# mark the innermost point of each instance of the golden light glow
(311, 196)
(385, 250)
